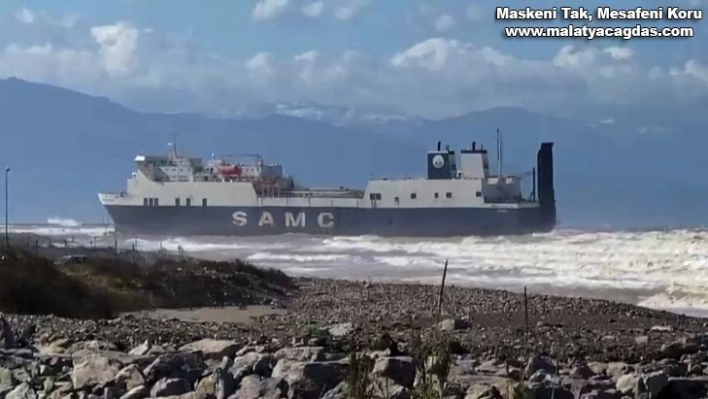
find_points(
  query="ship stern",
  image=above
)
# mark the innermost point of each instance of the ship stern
(546, 189)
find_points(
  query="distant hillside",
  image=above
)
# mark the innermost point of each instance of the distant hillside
(65, 146)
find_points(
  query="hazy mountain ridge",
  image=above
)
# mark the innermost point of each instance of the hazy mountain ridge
(65, 146)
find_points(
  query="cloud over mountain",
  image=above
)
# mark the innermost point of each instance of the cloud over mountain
(433, 77)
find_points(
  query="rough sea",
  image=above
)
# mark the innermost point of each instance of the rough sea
(658, 269)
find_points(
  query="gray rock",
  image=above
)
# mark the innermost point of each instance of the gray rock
(659, 328)
(253, 387)
(112, 392)
(213, 349)
(655, 382)
(130, 377)
(617, 369)
(301, 354)
(251, 363)
(582, 371)
(487, 387)
(179, 365)
(94, 370)
(551, 392)
(489, 367)
(94, 345)
(7, 336)
(139, 392)
(400, 369)
(7, 379)
(454, 324)
(341, 329)
(170, 387)
(22, 391)
(313, 378)
(141, 350)
(536, 363)
(223, 384)
(689, 387)
(627, 384)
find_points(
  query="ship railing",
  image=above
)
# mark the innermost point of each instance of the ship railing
(517, 200)
(114, 195)
(321, 194)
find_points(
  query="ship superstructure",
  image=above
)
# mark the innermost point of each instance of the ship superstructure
(177, 195)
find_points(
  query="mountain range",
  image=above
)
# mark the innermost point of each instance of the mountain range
(623, 171)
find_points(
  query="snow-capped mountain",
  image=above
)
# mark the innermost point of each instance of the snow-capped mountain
(338, 116)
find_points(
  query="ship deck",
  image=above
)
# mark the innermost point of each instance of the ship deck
(315, 193)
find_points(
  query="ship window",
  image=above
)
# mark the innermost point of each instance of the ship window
(448, 195)
(177, 201)
(157, 201)
(188, 202)
(437, 195)
(396, 200)
(145, 202)
(478, 193)
(414, 196)
(375, 196)
(204, 202)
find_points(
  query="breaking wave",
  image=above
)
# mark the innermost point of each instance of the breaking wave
(56, 221)
(658, 269)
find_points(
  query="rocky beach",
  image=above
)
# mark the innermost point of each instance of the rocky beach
(312, 338)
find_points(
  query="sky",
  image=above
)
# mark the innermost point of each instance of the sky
(430, 59)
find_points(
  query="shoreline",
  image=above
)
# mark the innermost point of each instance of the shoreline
(569, 346)
(654, 296)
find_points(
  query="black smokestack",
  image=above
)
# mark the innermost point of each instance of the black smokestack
(546, 191)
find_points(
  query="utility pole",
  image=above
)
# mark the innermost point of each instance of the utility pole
(7, 236)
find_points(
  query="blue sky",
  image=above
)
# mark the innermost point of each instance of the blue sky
(428, 58)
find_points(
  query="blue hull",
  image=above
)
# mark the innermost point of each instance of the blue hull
(251, 221)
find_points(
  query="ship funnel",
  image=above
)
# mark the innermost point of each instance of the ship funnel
(546, 191)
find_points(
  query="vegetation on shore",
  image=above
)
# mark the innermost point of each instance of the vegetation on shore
(103, 287)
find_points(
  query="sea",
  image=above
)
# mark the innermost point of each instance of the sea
(661, 269)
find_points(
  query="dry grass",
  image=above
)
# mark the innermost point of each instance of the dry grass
(32, 285)
(103, 287)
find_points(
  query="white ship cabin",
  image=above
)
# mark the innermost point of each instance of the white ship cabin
(451, 184)
(176, 180)
(176, 168)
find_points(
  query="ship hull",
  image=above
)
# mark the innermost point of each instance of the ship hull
(386, 222)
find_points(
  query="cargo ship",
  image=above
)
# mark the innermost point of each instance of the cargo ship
(177, 195)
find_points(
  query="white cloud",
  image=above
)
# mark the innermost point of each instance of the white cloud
(342, 10)
(350, 9)
(25, 16)
(444, 23)
(269, 9)
(435, 77)
(474, 13)
(620, 53)
(117, 46)
(427, 18)
(314, 9)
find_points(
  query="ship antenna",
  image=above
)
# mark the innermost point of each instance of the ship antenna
(174, 141)
(499, 151)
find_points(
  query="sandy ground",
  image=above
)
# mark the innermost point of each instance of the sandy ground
(229, 314)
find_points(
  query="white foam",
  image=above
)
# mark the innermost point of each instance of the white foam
(669, 266)
(269, 256)
(63, 222)
(78, 232)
